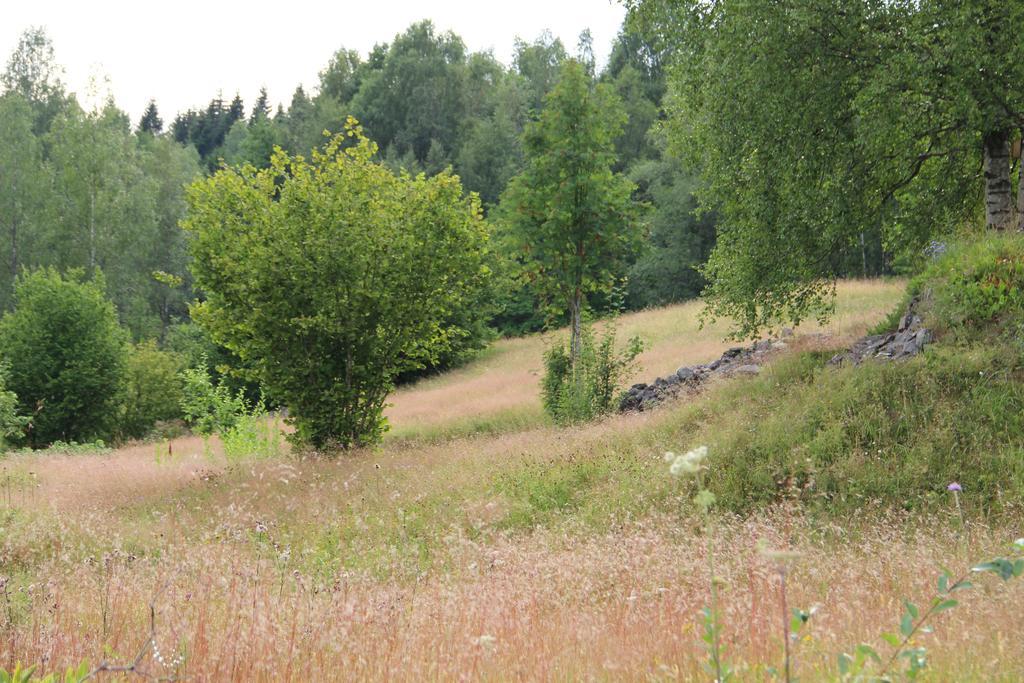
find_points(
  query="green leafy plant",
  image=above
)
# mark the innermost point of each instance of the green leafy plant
(591, 387)
(909, 658)
(210, 408)
(333, 275)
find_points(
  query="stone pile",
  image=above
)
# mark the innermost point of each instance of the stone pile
(908, 340)
(735, 361)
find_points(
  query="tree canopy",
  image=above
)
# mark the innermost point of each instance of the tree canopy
(334, 275)
(814, 123)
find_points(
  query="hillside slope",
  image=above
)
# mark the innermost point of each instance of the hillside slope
(481, 542)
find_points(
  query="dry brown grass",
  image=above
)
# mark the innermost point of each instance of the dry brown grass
(398, 563)
(506, 380)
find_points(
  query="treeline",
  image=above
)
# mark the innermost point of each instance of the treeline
(431, 105)
(88, 189)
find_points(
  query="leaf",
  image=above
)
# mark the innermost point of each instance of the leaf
(907, 625)
(943, 583)
(961, 585)
(945, 605)
(1000, 566)
(911, 608)
(865, 650)
(844, 663)
(892, 639)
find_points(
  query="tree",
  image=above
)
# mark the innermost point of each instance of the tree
(332, 276)
(681, 237)
(67, 356)
(106, 206)
(260, 110)
(340, 80)
(24, 187)
(540, 64)
(813, 123)
(417, 93)
(572, 217)
(151, 122)
(33, 72)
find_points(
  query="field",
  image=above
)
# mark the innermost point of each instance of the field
(478, 542)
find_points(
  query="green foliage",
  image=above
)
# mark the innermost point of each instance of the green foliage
(12, 423)
(154, 389)
(207, 407)
(254, 435)
(681, 238)
(817, 124)
(591, 387)
(336, 279)
(67, 356)
(569, 215)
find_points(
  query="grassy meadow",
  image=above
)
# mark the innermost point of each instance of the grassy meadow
(481, 542)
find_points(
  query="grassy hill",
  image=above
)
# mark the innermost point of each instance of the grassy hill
(479, 541)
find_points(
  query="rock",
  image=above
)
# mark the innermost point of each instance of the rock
(685, 374)
(786, 332)
(748, 369)
(638, 387)
(714, 365)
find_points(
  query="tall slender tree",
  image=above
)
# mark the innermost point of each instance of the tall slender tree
(570, 215)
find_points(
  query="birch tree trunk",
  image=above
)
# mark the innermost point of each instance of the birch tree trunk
(998, 189)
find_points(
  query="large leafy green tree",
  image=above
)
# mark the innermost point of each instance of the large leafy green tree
(67, 356)
(814, 122)
(570, 215)
(333, 276)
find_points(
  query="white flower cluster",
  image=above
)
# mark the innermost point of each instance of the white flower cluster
(688, 463)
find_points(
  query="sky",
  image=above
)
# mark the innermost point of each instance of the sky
(182, 53)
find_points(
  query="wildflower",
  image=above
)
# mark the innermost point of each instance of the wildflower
(688, 463)
(669, 456)
(955, 487)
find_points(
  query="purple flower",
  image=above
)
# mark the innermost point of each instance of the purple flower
(954, 487)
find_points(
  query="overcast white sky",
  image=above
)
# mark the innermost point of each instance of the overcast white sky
(182, 53)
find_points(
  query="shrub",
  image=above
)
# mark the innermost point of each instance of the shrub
(207, 407)
(154, 389)
(333, 276)
(67, 356)
(576, 394)
(12, 424)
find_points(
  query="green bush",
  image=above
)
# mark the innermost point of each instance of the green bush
(154, 389)
(333, 276)
(67, 356)
(207, 407)
(591, 388)
(12, 424)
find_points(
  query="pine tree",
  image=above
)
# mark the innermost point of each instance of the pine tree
(236, 111)
(151, 122)
(260, 110)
